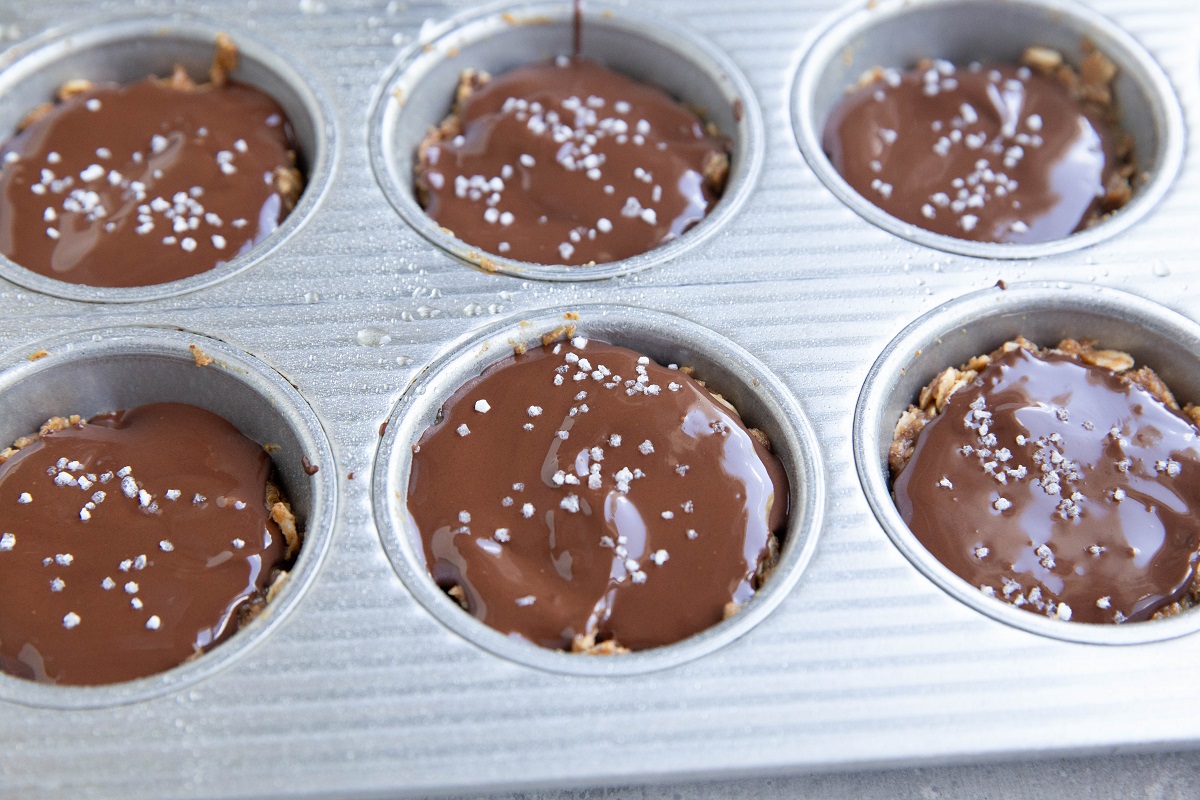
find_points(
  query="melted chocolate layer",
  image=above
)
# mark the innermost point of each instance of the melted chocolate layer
(130, 544)
(143, 184)
(569, 162)
(987, 153)
(581, 490)
(1059, 488)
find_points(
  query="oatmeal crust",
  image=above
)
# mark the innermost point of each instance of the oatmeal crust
(1091, 84)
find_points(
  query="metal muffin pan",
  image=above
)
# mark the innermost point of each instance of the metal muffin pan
(648, 47)
(363, 692)
(898, 33)
(761, 400)
(129, 50)
(93, 372)
(979, 323)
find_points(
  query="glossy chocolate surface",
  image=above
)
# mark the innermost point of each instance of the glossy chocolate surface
(130, 544)
(568, 162)
(988, 153)
(582, 490)
(1051, 483)
(143, 184)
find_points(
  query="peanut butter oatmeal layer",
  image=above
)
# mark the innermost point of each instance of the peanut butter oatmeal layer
(568, 162)
(133, 542)
(582, 497)
(138, 185)
(988, 152)
(1064, 481)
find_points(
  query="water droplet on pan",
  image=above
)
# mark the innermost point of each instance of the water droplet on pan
(373, 337)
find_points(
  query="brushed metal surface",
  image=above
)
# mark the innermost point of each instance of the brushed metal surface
(362, 692)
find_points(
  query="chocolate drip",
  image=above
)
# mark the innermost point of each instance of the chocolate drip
(577, 27)
(571, 163)
(130, 544)
(144, 184)
(581, 492)
(987, 153)
(1049, 483)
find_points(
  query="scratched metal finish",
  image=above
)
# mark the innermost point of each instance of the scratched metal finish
(361, 692)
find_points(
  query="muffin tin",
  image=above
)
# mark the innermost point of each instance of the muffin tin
(126, 51)
(761, 400)
(979, 323)
(897, 35)
(94, 371)
(415, 97)
(359, 683)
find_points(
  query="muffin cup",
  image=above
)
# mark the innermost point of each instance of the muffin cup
(952, 334)
(761, 399)
(126, 51)
(94, 372)
(898, 33)
(417, 95)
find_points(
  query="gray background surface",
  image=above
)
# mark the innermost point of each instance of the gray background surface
(1172, 776)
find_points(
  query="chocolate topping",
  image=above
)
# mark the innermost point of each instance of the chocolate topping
(1059, 487)
(145, 184)
(581, 493)
(989, 153)
(130, 544)
(569, 162)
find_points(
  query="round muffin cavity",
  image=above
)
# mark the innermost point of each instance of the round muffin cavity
(1005, 153)
(1062, 481)
(568, 162)
(123, 186)
(134, 542)
(583, 497)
